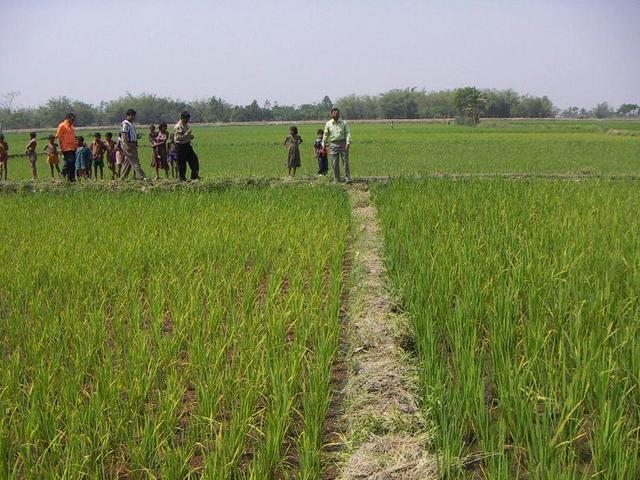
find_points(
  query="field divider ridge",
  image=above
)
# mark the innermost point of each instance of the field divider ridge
(222, 183)
(383, 430)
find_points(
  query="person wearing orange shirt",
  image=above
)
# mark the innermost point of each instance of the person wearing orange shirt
(66, 136)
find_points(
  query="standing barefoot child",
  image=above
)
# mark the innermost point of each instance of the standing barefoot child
(83, 157)
(152, 138)
(119, 155)
(160, 149)
(172, 156)
(292, 142)
(320, 152)
(52, 155)
(111, 153)
(32, 155)
(98, 148)
(4, 157)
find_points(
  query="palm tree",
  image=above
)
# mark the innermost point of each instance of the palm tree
(470, 101)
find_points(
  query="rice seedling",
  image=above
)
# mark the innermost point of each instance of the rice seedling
(164, 335)
(524, 296)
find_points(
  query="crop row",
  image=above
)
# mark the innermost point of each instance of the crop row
(158, 335)
(525, 302)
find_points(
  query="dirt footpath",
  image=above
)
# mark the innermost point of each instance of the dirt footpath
(384, 433)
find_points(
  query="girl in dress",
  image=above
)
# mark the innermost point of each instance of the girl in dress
(160, 149)
(292, 142)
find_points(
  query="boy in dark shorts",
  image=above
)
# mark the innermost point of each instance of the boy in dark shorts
(52, 155)
(98, 148)
(111, 153)
(320, 152)
(172, 157)
(32, 154)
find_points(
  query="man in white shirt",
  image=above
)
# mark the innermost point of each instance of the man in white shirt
(130, 147)
(337, 138)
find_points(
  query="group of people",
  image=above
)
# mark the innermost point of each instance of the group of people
(81, 160)
(333, 141)
(122, 155)
(170, 153)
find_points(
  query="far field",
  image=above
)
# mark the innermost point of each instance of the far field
(493, 147)
(190, 332)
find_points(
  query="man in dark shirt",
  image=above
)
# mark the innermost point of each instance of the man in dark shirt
(182, 136)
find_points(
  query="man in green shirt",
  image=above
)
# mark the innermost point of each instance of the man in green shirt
(337, 139)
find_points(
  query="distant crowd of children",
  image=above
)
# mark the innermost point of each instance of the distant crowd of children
(90, 159)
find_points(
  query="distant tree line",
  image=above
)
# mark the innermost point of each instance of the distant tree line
(602, 110)
(407, 103)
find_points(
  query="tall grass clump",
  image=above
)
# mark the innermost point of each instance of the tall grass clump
(525, 300)
(161, 335)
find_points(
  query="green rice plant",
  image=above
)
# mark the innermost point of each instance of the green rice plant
(524, 296)
(168, 335)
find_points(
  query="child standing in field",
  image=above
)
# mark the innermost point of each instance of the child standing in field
(83, 157)
(111, 153)
(119, 155)
(4, 157)
(320, 152)
(292, 142)
(172, 156)
(52, 155)
(160, 148)
(98, 148)
(152, 138)
(32, 155)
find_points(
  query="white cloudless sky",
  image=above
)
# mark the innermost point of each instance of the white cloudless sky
(576, 52)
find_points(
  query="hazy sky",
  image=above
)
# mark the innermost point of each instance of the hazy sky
(576, 52)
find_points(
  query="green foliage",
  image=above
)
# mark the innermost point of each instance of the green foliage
(534, 107)
(501, 103)
(524, 297)
(407, 103)
(571, 112)
(212, 110)
(400, 103)
(55, 110)
(603, 110)
(150, 109)
(470, 102)
(629, 109)
(168, 335)
(440, 104)
(358, 107)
